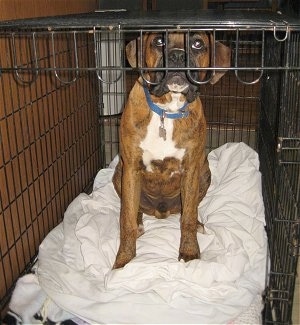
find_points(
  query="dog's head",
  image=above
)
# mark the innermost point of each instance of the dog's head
(178, 51)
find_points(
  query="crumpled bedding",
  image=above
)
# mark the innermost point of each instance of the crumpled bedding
(224, 286)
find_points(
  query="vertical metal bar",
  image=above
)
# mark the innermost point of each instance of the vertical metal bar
(49, 116)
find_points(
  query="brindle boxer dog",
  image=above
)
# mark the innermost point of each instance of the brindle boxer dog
(163, 168)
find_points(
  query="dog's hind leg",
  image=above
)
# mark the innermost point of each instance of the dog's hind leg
(205, 180)
(200, 227)
(141, 229)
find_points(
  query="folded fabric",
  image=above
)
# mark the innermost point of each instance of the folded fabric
(29, 304)
(76, 258)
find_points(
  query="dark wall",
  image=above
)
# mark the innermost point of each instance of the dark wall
(161, 4)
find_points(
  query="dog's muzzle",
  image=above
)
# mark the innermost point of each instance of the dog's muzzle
(175, 80)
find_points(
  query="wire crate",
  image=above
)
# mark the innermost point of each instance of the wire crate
(63, 85)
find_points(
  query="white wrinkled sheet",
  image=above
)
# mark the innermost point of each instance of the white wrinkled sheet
(76, 258)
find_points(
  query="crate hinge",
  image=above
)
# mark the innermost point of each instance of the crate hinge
(288, 150)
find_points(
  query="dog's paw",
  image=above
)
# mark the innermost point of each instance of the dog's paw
(119, 263)
(189, 250)
(140, 230)
(200, 228)
(188, 257)
(122, 259)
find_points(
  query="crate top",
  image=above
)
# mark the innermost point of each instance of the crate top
(126, 19)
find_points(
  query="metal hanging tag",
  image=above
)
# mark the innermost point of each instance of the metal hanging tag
(162, 131)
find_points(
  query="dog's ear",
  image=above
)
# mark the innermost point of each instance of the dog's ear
(133, 53)
(222, 60)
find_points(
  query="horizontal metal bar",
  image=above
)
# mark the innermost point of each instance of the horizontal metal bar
(283, 140)
(108, 68)
(136, 31)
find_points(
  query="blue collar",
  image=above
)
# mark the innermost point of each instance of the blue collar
(161, 112)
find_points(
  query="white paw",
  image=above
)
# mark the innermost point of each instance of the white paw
(140, 231)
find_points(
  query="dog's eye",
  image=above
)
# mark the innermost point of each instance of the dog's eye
(198, 44)
(158, 41)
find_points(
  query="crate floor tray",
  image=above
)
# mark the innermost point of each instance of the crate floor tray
(74, 276)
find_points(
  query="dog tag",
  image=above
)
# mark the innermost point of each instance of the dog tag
(162, 131)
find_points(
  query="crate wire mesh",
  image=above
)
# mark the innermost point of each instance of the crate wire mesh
(63, 85)
(279, 151)
(49, 142)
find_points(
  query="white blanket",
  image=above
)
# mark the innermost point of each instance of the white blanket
(76, 258)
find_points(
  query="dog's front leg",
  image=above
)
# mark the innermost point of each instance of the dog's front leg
(131, 190)
(189, 248)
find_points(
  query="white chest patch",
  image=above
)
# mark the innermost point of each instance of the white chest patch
(155, 147)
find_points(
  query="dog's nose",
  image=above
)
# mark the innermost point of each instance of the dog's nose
(177, 57)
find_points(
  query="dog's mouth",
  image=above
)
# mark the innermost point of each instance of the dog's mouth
(175, 82)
